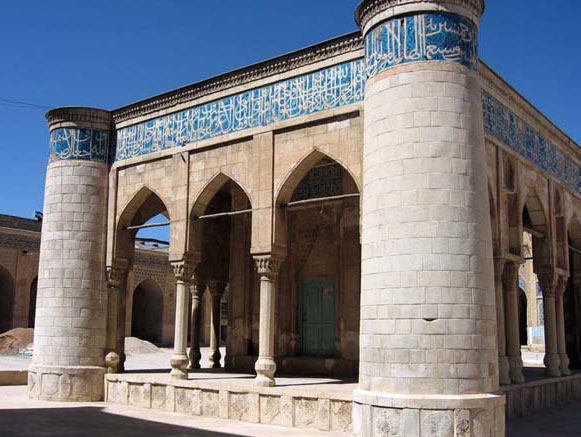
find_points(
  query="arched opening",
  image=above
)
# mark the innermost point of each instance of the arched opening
(320, 280)
(6, 299)
(536, 253)
(32, 302)
(142, 232)
(221, 229)
(147, 312)
(572, 297)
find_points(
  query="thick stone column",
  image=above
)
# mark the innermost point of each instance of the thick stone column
(267, 267)
(561, 338)
(216, 292)
(70, 327)
(513, 351)
(428, 343)
(197, 290)
(117, 282)
(183, 271)
(503, 364)
(549, 283)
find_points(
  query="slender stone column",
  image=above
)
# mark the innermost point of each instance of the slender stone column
(513, 351)
(561, 338)
(267, 267)
(503, 364)
(216, 292)
(117, 281)
(70, 336)
(549, 283)
(183, 271)
(197, 290)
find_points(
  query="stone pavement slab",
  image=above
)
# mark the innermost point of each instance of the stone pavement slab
(20, 417)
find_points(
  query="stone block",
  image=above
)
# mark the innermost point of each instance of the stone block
(341, 416)
(158, 397)
(210, 403)
(305, 412)
(437, 423)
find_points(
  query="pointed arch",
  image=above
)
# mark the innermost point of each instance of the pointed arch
(6, 299)
(533, 212)
(296, 174)
(214, 185)
(144, 205)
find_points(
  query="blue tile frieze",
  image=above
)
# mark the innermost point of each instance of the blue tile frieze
(506, 127)
(322, 90)
(78, 145)
(422, 37)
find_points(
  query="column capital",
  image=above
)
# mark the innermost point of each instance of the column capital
(184, 269)
(549, 283)
(217, 287)
(267, 264)
(562, 284)
(198, 286)
(116, 275)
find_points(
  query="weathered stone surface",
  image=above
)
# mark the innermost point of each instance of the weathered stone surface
(305, 412)
(437, 423)
(210, 403)
(341, 416)
(386, 422)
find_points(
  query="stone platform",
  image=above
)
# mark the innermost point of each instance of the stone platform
(309, 403)
(540, 393)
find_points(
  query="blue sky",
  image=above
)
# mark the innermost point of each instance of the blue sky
(109, 53)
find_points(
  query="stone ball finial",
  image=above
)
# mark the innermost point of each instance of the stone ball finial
(112, 361)
(368, 10)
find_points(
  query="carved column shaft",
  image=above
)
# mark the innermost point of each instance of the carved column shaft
(511, 322)
(216, 292)
(197, 290)
(183, 271)
(561, 335)
(267, 267)
(117, 285)
(503, 364)
(549, 284)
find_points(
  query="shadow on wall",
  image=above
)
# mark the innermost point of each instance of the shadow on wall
(88, 421)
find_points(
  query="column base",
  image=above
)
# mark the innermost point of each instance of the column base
(265, 369)
(377, 414)
(564, 365)
(503, 370)
(195, 357)
(214, 359)
(552, 363)
(516, 375)
(179, 366)
(66, 383)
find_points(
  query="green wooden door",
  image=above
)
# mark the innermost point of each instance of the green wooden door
(317, 317)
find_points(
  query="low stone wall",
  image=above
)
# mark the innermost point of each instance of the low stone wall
(13, 377)
(310, 410)
(530, 397)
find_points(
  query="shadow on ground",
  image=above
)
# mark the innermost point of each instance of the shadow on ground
(562, 421)
(90, 422)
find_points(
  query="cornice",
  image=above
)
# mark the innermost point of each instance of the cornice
(79, 116)
(310, 55)
(368, 9)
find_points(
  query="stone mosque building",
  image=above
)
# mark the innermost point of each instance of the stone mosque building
(367, 202)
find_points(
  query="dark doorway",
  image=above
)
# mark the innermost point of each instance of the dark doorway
(522, 317)
(32, 303)
(147, 313)
(6, 299)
